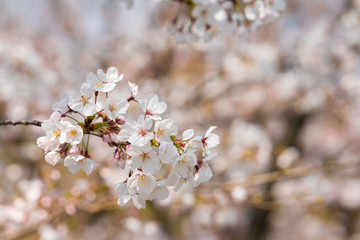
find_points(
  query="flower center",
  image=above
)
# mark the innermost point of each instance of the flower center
(144, 156)
(184, 160)
(73, 132)
(142, 178)
(57, 132)
(84, 100)
(113, 107)
(99, 83)
(161, 132)
(143, 132)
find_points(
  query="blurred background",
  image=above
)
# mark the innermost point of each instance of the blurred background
(286, 99)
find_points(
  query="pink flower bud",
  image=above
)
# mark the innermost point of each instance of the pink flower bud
(74, 149)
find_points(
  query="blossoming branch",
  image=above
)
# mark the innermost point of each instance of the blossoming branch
(149, 147)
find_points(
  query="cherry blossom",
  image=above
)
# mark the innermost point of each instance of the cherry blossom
(77, 162)
(145, 158)
(70, 133)
(152, 107)
(139, 131)
(116, 109)
(86, 104)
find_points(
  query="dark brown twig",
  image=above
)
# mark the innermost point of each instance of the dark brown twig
(21, 122)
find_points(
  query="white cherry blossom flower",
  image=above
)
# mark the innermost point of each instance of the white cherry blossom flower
(135, 94)
(184, 165)
(47, 144)
(164, 129)
(116, 109)
(111, 76)
(70, 133)
(141, 183)
(152, 107)
(204, 172)
(76, 162)
(52, 129)
(168, 153)
(144, 157)
(210, 140)
(104, 82)
(86, 104)
(139, 131)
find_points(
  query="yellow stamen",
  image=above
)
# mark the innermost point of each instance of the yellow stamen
(73, 132)
(161, 132)
(142, 178)
(144, 156)
(57, 132)
(113, 107)
(99, 83)
(84, 100)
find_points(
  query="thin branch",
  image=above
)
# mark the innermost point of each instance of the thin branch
(21, 122)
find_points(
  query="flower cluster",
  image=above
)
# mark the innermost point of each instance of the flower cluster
(205, 19)
(148, 147)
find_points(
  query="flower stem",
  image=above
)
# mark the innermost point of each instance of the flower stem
(72, 118)
(87, 143)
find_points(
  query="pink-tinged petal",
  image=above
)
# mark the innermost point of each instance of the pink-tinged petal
(56, 116)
